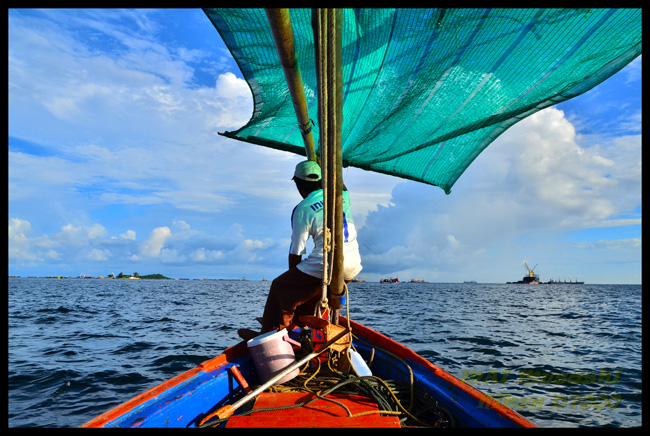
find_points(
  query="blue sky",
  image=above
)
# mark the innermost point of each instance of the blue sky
(115, 166)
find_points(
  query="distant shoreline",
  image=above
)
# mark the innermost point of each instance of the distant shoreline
(149, 277)
(145, 277)
(123, 277)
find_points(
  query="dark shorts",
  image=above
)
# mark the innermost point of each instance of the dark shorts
(292, 294)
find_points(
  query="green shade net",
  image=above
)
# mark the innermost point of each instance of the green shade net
(427, 90)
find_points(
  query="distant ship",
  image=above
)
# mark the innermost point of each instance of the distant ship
(533, 279)
(389, 280)
(564, 282)
(530, 279)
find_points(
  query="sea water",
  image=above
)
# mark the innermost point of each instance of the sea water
(560, 355)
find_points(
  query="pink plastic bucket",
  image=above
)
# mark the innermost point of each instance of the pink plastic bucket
(271, 353)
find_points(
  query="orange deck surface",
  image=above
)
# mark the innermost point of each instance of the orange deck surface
(319, 413)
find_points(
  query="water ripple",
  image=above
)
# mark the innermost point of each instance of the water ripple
(80, 347)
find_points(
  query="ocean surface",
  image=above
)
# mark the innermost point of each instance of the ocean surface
(560, 355)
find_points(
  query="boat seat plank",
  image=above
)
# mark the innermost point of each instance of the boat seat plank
(316, 414)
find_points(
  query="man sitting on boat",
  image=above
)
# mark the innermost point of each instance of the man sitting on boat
(298, 290)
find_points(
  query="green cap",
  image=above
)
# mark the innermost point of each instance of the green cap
(307, 170)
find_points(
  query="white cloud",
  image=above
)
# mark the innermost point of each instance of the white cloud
(98, 255)
(619, 222)
(18, 228)
(171, 256)
(79, 235)
(129, 234)
(96, 231)
(612, 244)
(557, 183)
(534, 178)
(67, 96)
(120, 120)
(232, 87)
(256, 244)
(154, 244)
(203, 255)
(181, 225)
(51, 254)
(19, 244)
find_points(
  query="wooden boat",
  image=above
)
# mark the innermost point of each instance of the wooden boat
(188, 399)
(391, 55)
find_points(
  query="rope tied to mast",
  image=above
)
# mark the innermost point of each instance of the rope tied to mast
(327, 41)
(305, 128)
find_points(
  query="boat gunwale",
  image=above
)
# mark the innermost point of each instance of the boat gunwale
(383, 341)
(208, 366)
(377, 339)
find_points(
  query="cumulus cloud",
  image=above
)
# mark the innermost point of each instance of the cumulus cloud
(129, 234)
(571, 185)
(156, 241)
(80, 235)
(231, 248)
(203, 255)
(97, 255)
(534, 178)
(18, 228)
(62, 86)
(230, 86)
(19, 244)
(23, 246)
(77, 74)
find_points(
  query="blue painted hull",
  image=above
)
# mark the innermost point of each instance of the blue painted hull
(188, 398)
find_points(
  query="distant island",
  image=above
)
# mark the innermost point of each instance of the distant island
(138, 276)
(120, 276)
(155, 277)
(134, 276)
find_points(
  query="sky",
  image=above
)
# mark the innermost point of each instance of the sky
(115, 166)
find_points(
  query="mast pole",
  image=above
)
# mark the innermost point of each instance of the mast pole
(280, 22)
(336, 287)
(328, 48)
(327, 40)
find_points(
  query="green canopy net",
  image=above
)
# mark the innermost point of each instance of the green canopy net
(425, 91)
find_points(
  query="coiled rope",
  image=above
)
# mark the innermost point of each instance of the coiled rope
(423, 410)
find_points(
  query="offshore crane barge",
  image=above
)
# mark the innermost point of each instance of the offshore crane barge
(530, 279)
(533, 279)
